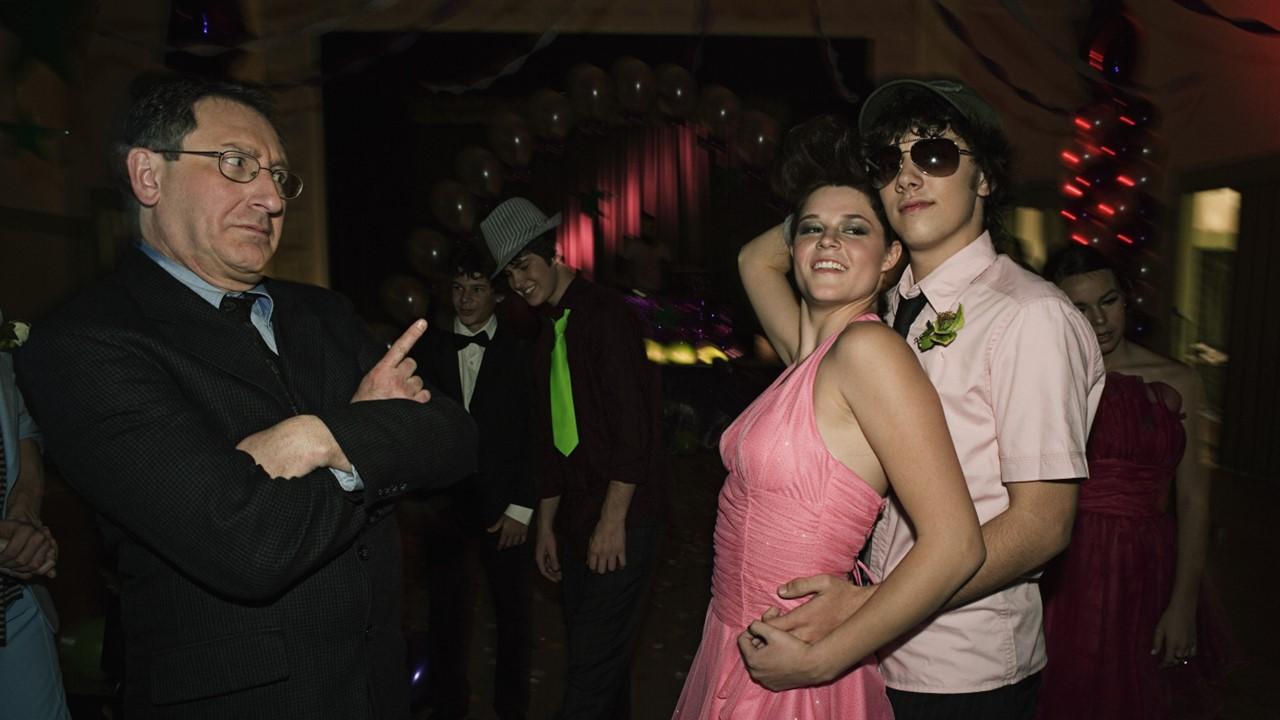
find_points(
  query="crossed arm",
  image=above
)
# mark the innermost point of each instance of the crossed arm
(151, 461)
(303, 443)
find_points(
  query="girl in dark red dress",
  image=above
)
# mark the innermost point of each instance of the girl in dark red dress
(1124, 622)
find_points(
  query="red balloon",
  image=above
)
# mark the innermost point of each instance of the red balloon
(677, 91)
(428, 252)
(635, 83)
(718, 109)
(757, 138)
(550, 115)
(510, 139)
(480, 171)
(591, 92)
(453, 206)
(404, 298)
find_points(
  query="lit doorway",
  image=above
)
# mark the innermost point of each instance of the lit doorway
(1208, 228)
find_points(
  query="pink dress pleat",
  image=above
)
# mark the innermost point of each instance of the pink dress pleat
(787, 509)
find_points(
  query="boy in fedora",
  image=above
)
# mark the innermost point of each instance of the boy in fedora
(600, 479)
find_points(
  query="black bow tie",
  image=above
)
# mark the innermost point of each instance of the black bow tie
(460, 341)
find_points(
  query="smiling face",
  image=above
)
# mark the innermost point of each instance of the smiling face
(1098, 296)
(225, 232)
(839, 252)
(935, 216)
(474, 300)
(535, 279)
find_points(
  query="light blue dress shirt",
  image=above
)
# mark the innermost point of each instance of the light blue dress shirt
(263, 307)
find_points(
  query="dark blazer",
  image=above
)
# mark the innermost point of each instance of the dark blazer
(501, 406)
(243, 595)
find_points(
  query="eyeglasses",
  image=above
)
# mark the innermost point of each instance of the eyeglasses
(935, 157)
(241, 167)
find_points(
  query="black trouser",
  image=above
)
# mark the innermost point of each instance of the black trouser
(1012, 702)
(509, 574)
(602, 614)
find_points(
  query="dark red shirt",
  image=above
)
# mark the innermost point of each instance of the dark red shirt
(617, 401)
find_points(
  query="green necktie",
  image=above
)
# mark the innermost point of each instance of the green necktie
(564, 424)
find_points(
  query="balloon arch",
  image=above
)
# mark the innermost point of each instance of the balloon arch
(595, 103)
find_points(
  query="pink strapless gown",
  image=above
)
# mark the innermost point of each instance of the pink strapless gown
(788, 509)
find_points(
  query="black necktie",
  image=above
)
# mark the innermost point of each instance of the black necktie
(10, 590)
(908, 310)
(240, 309)
(461, 341)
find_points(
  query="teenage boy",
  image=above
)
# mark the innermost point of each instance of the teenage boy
(596, 420)
(1019, 374)
(483, 365)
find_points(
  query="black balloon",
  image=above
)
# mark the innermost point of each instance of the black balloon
(1096, 119)
(1138, 112)
(591, 92)
(453, 206)
(635, 84)
(757, 138)
(677, 91)
(1114, 47)
(510, 139)
(718, 108)
(404, 298)
(480, 171)
(427, 252)
(550, 115)
(384, 333)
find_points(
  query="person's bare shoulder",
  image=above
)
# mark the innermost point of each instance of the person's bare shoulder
(872, 347)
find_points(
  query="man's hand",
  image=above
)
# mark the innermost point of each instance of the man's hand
(608, 548)
(27, 550)
(544, 554)
(779, 660)
(294, 447)
(511, 532)
(392, 378)
(834, 600)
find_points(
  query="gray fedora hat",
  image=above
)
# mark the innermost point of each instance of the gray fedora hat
(511, 226)
(958, 95)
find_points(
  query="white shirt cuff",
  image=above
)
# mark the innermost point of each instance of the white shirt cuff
(350, 481)
(519, 513)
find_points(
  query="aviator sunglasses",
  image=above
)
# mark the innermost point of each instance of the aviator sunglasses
(935, 157)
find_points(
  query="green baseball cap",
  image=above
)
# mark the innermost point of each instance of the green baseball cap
(960, 96)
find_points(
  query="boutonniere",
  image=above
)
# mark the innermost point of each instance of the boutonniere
(942, 330)
(13, 334)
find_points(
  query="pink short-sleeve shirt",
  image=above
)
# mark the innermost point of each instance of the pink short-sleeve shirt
(1019, 385)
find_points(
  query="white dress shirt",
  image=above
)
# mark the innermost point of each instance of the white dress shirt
(469, 360)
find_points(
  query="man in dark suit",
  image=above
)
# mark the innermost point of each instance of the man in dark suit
(484, 365)
(238, 435)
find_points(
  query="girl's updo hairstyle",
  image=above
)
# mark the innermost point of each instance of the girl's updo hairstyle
(823, 152)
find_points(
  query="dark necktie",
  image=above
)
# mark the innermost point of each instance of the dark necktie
(461, 341)
(240, 309)
(10, 590)
(908, 310)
